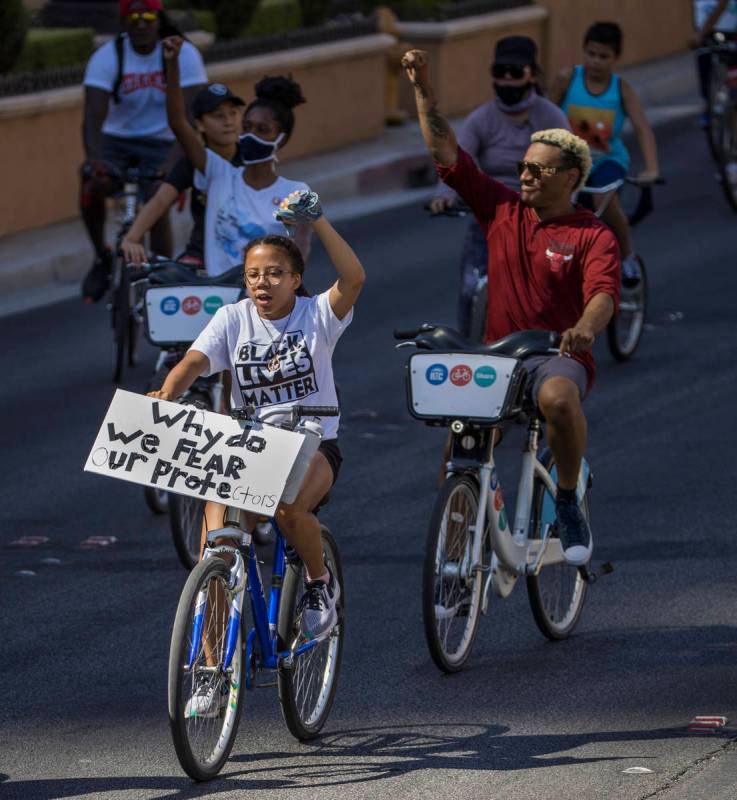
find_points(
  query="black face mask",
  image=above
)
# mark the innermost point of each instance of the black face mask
(254, 150)
(511, 95)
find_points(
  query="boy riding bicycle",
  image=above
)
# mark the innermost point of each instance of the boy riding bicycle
(597, 102)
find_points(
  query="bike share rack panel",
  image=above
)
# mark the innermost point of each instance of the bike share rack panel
(177, 313)
(461, 385)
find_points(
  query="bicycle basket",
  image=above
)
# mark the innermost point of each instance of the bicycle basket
(176, 314)
(467, 386)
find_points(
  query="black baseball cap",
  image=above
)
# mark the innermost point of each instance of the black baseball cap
(515, 50)
(209, 98)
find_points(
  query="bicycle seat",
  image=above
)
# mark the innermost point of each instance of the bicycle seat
(520, 344)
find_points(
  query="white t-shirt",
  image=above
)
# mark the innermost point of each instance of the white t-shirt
(239, 340)
(237, 213)
(141, 112)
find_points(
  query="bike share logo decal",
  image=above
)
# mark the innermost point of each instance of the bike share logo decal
(212, 304)
(436, 374)
(460, 375)
(484, 376)
(191, 305)
(169, 305)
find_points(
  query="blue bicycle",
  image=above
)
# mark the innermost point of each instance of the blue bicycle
(214, 657)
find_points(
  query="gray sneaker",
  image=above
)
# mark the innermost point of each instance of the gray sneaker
(317, 612)
(574, 532)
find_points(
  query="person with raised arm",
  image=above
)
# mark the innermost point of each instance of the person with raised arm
(241, 198)
(277, 345)
(552, 265)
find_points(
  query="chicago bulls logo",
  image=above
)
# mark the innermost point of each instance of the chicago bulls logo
(559, 254)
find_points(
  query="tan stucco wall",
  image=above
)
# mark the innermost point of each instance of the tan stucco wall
(41, 134)
(652, 28)
(461, 50)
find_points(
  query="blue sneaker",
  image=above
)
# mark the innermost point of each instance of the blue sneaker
(574, 532)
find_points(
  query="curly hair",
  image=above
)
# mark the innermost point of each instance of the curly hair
(280, 94)
(574, 152)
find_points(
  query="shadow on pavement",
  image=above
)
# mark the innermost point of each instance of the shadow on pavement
(362, 755)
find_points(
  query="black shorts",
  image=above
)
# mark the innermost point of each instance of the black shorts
(329, 448)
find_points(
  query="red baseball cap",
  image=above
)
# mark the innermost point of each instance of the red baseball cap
(148, 5)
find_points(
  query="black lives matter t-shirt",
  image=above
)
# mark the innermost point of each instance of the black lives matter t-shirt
(281, 363)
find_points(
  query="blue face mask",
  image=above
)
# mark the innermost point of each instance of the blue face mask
(254, 150)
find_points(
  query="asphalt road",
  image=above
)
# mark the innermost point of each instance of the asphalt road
(85, 641)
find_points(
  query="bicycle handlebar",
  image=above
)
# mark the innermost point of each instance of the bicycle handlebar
(248, 413)
(458, 209)
(633, 180)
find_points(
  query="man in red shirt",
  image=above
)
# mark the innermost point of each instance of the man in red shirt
(552, 265)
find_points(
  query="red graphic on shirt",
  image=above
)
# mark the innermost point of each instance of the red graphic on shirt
(595, 125)
(191, 305)
(559, 254)
(133, 81)
(461, 375)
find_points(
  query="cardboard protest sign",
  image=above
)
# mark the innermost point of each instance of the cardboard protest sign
(186, 450)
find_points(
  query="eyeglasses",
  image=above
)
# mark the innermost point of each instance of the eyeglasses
(273, 275)
(515, 71)
(146, 16)
(538, 170)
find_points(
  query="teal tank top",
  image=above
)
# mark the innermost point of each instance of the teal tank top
(598, 119)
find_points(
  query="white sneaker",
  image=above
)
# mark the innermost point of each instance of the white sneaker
(207, 699)
(317, 611)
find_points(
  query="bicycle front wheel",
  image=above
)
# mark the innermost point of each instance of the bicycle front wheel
(625, 328)
(307, 686)
(204, 732)
(185, 521)
(451, 590)
(557, 593)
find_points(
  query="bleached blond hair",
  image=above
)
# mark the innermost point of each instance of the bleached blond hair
(574, 151)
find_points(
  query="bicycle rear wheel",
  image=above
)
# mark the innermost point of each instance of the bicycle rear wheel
(185, 522)
(625, 328)
(557, 593)
(451, 597)
(307, 686)
(203, 740)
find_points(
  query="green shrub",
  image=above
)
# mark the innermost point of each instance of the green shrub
(314, 12)
(232, 16)
(274, 16)
(204, 20)
(13, 27)
(49, 48)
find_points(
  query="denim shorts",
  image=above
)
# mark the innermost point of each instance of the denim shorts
(122, 153)
(604, 173)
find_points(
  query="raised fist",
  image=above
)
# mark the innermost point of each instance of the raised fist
(415, 63)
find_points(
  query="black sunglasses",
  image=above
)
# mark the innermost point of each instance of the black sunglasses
(515, 71)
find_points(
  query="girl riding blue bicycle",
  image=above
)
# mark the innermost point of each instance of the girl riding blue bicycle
(277, 345)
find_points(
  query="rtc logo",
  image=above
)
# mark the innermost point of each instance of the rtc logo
(191, 305)
(169, 305)
(460, 375)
